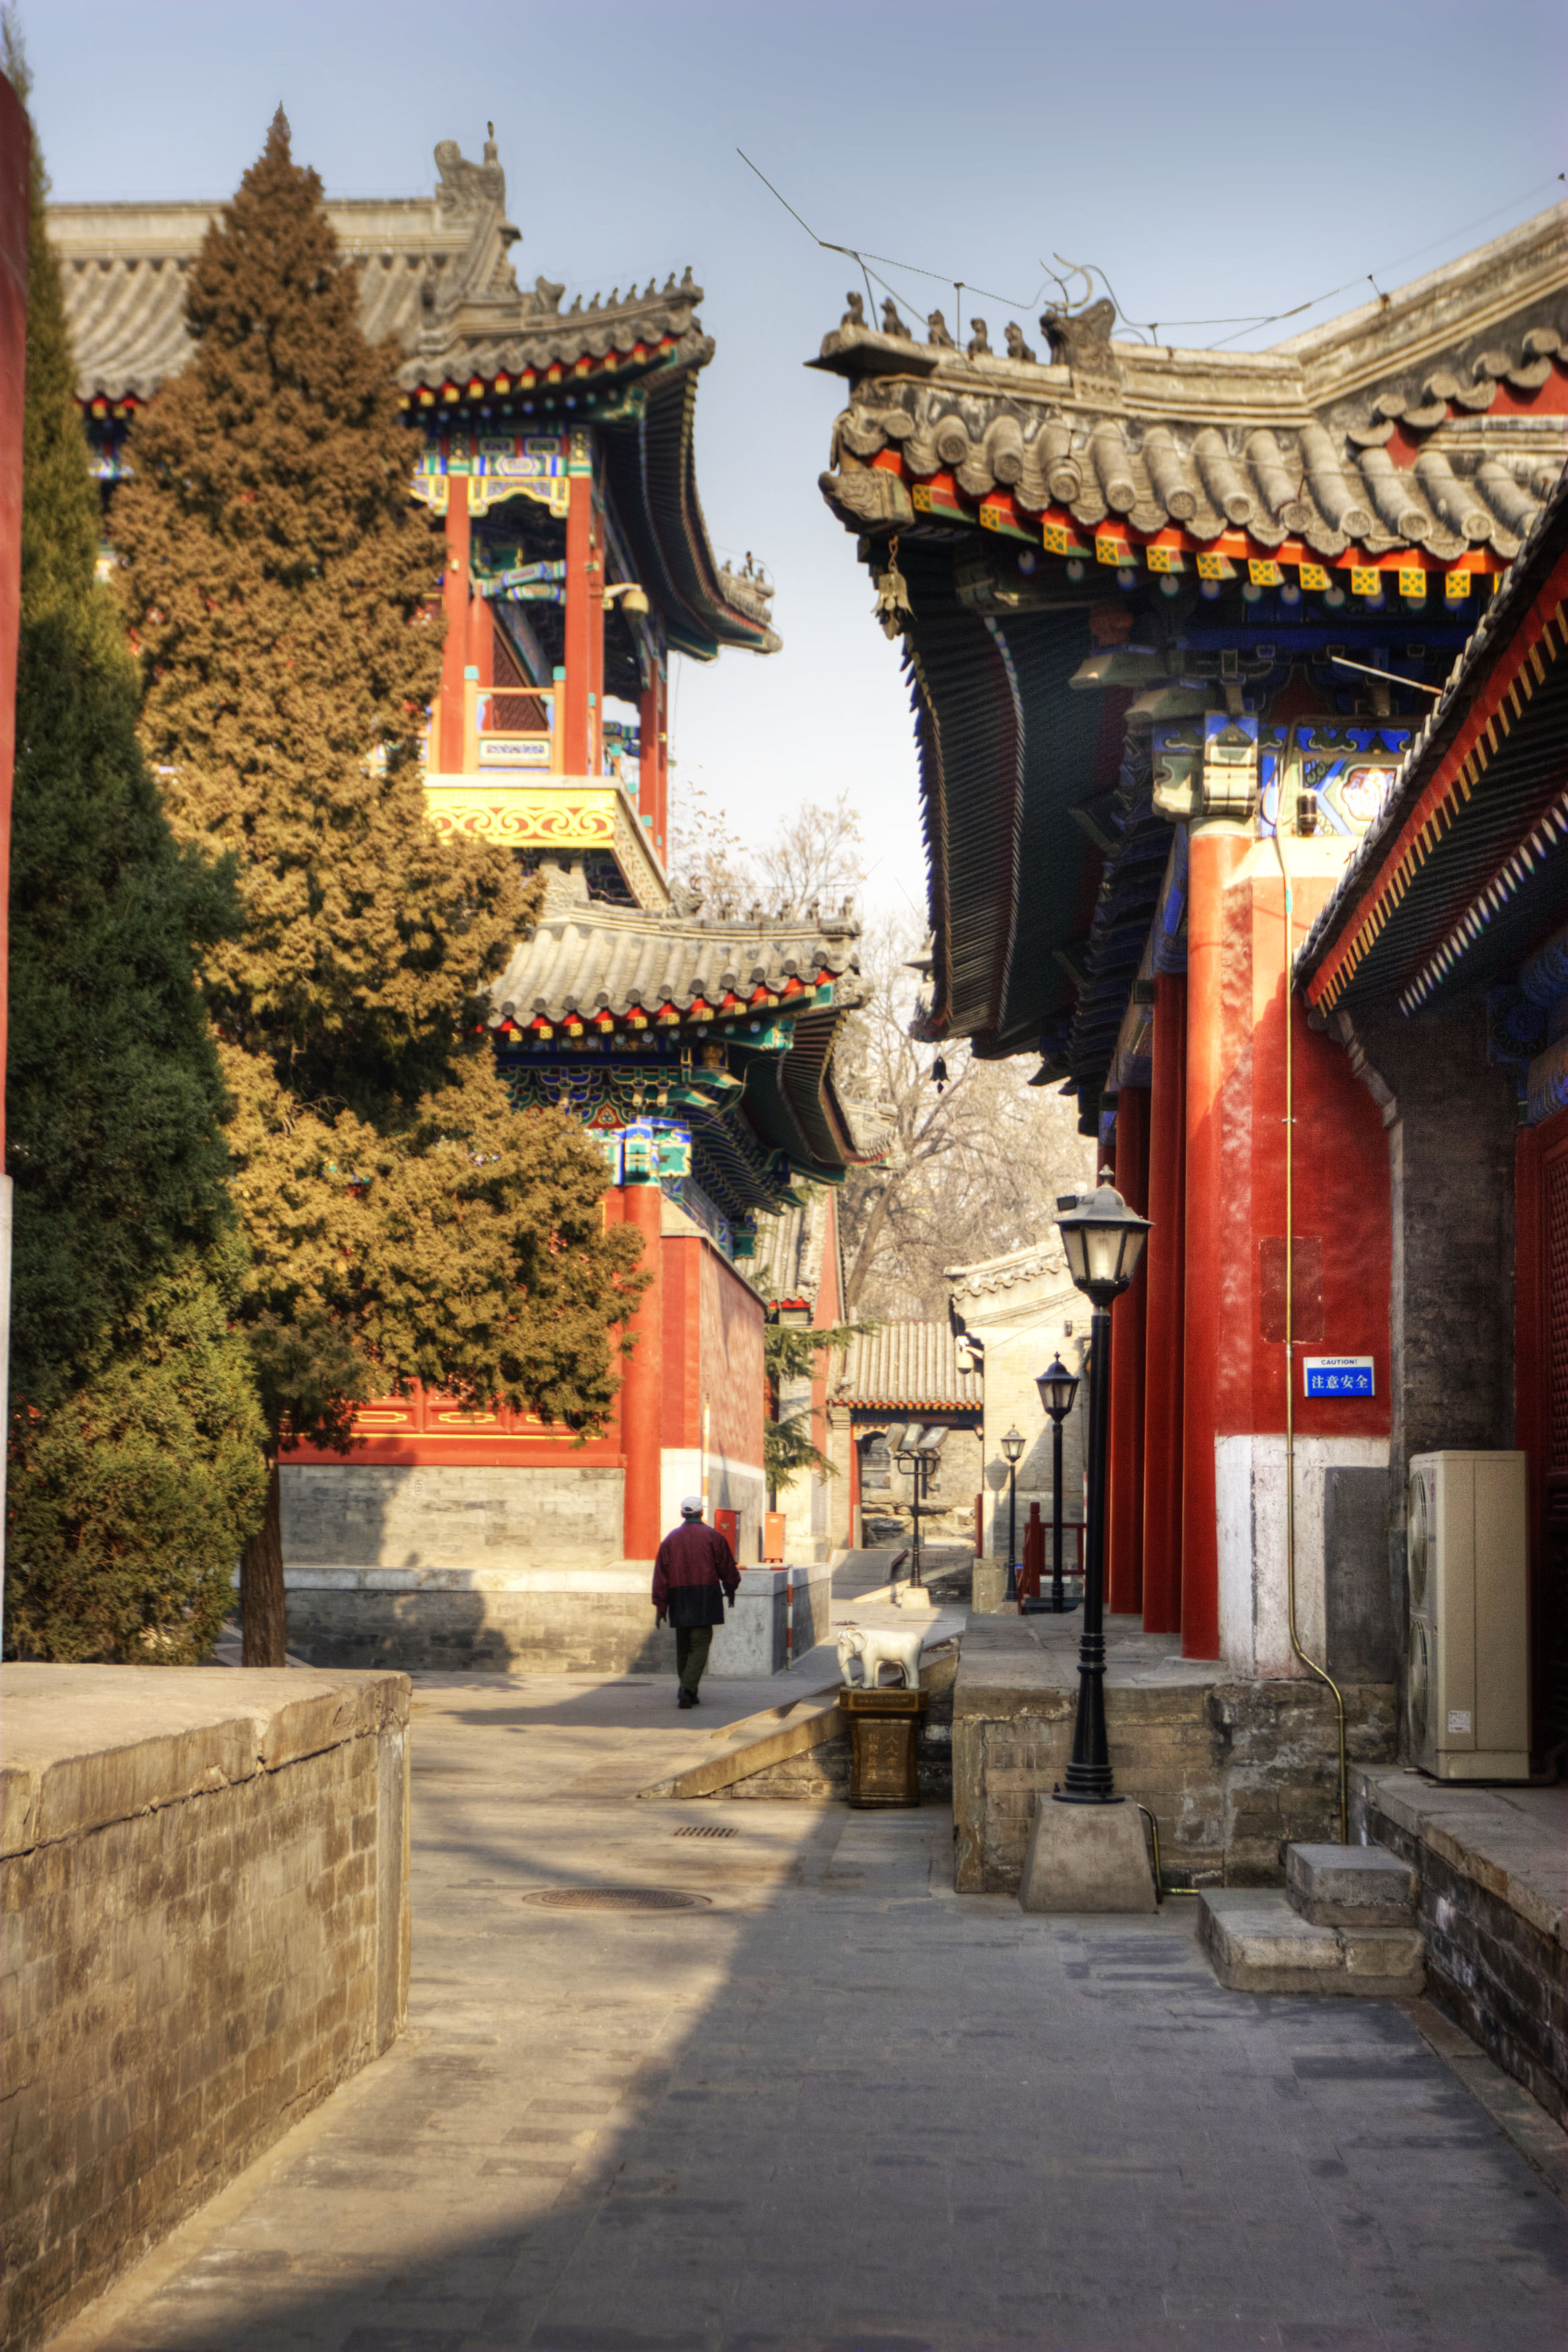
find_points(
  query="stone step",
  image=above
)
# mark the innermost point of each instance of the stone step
(1350, 1886)
(1258, 1942)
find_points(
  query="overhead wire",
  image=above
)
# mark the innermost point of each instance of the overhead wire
(856, 254)
(1150, 327)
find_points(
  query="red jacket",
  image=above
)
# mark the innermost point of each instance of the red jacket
(694, 1571)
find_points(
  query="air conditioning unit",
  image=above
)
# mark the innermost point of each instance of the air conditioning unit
(1469, 1616)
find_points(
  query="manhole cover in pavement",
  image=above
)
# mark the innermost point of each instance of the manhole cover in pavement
(617, 1898)
(705, 1830)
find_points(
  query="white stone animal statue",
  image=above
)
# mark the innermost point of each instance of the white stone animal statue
(874, 1649)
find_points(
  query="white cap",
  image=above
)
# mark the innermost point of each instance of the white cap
(691, 1506)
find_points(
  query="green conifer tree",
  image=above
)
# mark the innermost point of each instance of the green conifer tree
(404, 1224)
(133, 1477)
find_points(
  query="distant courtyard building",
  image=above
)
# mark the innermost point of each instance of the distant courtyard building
(1018, 1313)
(553, 442)
(906, 1381)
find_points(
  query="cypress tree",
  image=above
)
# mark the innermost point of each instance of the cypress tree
(132, 1471)
(404, 1224)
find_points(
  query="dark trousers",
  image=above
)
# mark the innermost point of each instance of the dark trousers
(692, 1643)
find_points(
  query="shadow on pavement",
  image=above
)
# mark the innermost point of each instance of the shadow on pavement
(832, 2107)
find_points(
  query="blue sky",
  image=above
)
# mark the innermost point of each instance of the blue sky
(1213, 159)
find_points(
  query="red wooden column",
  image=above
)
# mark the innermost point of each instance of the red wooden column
(1216, 850)
(1124, 1583)
(595, 639)
(642, 1385)
(653, 766)
(451, 725)
(1165, 1257)
(481, 641)
(584, 683)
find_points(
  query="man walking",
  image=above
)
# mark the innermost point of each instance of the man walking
(694, 1573)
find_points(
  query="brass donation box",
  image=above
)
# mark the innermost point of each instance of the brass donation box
(884, 1729)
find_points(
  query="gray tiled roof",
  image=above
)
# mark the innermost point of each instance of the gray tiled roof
(586, 958)
(434, 275)
(788, 1262)
(1291, 443)
(590, 957)
(913, 1364)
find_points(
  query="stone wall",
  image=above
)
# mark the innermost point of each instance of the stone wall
(1489, 1867)
(204, 1883)
(1232, 1772)
(480, 1620)
(367, 1515)
(536, 1621)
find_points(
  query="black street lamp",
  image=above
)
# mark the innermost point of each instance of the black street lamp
(918, 1456)
(1104, 1240)
(1058, 1388)
(1013, 1448)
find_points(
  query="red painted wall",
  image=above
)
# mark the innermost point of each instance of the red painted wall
(428, 1428)
(1341, 1197)
(681, 1417)
(1165, 1252)
(1124, 1548)
(732, 1373)
(1234, 1356)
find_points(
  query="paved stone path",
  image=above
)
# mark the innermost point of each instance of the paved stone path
(832, 2106)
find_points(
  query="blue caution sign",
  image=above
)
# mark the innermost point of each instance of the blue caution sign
(1338, 1376)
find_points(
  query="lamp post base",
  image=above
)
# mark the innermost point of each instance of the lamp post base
(1087, 1857)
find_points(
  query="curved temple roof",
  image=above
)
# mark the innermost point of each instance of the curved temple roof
(771, 996)
(1368, 431)
(436, 274)
(1045, 509)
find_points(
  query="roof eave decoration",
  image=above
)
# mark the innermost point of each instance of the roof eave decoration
(653, 471)
(1486, 766)
(592, 981)
(436, 275)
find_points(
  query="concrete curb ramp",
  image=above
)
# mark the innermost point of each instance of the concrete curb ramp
(752, 1745)
(760, 1740)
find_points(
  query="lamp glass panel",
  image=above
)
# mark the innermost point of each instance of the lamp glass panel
(1075, 1242)
(1103, 1247)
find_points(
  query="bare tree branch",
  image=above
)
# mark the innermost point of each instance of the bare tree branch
(971, 1171)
